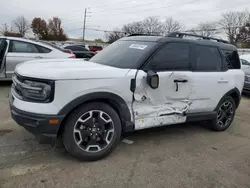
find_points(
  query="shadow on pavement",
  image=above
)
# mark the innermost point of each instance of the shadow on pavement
(5, 83)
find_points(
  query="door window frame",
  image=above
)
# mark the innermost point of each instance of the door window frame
(160, 47)
(193, 61)
(10, 50)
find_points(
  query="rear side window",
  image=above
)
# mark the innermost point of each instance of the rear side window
(173, 56)
(232, 59)
(207, 58)
(43, 49)
(23, 47)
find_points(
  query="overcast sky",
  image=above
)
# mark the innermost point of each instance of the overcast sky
(110, 14)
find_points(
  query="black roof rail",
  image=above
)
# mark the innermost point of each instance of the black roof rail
(139, 34)
(180, 35)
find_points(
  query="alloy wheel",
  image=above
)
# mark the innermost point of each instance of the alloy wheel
(93, 131)
(225, 114)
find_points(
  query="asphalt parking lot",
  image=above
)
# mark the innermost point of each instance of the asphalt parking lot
(186, 155)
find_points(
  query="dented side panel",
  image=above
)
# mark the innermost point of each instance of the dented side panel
(161, 106)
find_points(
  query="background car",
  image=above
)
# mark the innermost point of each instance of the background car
(57, 47)
(245, 66)
(80, 51)
(14, 50)
(95, 48)
(245, 63)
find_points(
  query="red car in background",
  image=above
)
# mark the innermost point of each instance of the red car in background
(95, 48)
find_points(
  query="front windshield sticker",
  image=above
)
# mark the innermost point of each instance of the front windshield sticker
(138, 46)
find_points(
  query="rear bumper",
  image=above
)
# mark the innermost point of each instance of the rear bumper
(246, 88)
(38, 124)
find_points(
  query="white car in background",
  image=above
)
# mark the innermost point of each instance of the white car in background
(14, 50)
(245, 63)
(245, 66)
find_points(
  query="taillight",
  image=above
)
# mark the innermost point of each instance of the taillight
(68, 51)
(73, 56)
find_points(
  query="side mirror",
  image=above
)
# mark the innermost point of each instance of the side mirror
(153, 79)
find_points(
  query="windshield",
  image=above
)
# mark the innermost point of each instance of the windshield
(123, 54)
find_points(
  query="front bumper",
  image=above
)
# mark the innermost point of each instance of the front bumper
(38, 124)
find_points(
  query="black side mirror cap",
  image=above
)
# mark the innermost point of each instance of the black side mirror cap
(152, 79)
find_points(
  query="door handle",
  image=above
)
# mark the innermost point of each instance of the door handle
(38, 57)
(222, 81)
(179, 81)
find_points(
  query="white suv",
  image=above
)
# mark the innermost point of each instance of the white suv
(135, 83)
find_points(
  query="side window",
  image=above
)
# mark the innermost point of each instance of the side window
(207, 58)
(232, 59)
(43, 49)
(245, 62)
(23, 47)
(173, 56)
(73, 48)
(79, 48)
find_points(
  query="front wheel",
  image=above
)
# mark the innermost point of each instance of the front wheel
(92, 131)
(225, 115)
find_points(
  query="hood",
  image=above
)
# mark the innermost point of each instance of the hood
(64, 69)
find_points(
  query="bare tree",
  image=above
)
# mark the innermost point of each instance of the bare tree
(170, 25)
(22, 25)
(115, 35)
(54, 26)
(206, 29)
(4, 29)
(152, 26)
(132, 28)
(231, 22)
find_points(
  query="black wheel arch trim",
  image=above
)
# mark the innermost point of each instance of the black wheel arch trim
(230, 93)
(112, 99)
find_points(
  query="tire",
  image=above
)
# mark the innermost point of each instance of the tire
(227, 109)
(107, 139)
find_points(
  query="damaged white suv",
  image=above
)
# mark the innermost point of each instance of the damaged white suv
(138, 82)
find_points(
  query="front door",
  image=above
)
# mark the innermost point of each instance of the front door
(169, 103)
(3, 47)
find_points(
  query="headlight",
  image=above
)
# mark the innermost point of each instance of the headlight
(33, 91)
(36, 90)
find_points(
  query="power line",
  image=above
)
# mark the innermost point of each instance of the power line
(93, 7)
(109, 4)
(153, 9)
(138, 6)
(94, 29)
(121, 8)
(204, 10)
(218, 8)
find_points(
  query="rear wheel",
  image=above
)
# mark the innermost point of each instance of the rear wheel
(225, 115)
(92, 131)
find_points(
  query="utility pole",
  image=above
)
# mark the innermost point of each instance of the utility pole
(84, 25)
